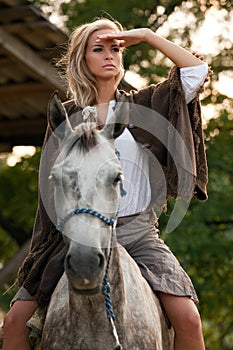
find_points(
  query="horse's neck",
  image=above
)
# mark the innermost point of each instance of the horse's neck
(116, 278)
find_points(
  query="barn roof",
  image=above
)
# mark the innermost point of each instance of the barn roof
(29, 46)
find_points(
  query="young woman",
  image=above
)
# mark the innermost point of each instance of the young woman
(94, 69)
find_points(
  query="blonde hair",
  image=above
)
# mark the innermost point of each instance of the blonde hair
(81, 82)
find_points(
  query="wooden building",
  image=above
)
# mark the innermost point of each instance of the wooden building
(29, 46)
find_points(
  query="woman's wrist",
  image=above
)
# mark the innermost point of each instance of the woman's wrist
(148, 35)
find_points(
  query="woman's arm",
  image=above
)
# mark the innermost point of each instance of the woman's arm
(180, 56)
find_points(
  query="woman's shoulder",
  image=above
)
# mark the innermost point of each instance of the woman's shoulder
(147, 94)
(140, 96)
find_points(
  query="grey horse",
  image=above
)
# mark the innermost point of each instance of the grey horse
(83, 314)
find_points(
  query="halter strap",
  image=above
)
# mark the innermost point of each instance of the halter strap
(108, 221)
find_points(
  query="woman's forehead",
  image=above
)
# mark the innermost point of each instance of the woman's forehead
(93, 36)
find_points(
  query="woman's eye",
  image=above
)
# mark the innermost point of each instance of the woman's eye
(116, 49)
(97, 49)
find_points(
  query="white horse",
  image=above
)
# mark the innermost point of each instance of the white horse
(82, 314)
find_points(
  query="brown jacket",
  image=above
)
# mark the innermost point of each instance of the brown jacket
(162, 107)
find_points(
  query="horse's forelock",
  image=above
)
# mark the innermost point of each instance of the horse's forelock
(89, 139)
(85, 135)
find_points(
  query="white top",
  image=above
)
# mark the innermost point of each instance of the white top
(135, 161)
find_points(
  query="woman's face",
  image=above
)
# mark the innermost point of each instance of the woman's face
(103, 58)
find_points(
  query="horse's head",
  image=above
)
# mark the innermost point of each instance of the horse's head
(87, 175)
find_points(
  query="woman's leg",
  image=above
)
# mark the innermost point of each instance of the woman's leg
(185, 319)
(162, 271)
(15, 331)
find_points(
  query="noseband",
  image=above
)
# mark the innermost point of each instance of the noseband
(106, 288)
(61, 223)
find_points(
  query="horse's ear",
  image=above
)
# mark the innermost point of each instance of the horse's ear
(57, 115)
(118, 122)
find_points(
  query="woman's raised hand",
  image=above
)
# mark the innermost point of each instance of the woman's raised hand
(126, 38)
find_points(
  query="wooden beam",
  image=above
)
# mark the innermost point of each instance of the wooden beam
(55, 34)
(18, 11)
(13, 2)
(21, 140)
(5, 147)
(28, 57)
(26, 127)
(14, 91)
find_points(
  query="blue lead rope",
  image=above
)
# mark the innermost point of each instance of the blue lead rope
(122, 190)
(106, 290)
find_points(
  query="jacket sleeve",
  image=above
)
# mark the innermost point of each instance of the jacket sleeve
(43, 266)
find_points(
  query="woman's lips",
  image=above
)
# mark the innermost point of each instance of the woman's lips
(109, 66)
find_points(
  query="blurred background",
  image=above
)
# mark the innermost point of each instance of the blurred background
(33, 35)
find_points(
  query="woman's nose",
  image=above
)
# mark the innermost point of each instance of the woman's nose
(109, 56)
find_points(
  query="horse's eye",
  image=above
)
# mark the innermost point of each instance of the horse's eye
(52, 177)
(118, 178)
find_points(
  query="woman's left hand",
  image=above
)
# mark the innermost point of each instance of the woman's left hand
(126, 38)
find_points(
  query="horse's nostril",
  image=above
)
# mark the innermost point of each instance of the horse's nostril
(101, 260)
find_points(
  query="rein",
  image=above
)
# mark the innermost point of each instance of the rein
(106, 288)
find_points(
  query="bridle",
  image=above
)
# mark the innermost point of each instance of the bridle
(106, 288)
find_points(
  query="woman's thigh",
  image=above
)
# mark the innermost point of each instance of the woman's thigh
(158, 264)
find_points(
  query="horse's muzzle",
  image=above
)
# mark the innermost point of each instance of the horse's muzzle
(85, 268)
(86, 291)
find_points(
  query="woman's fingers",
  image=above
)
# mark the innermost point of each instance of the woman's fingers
(126, 38)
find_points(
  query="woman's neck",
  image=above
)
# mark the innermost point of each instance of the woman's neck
(106, 91)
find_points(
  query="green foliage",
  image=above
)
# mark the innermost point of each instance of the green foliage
(8, 247)
(18, 183)
(18, 200)
(203, 242)
(7, 294)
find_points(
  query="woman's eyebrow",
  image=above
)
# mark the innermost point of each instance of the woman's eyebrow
(102, 45)
(97, 44)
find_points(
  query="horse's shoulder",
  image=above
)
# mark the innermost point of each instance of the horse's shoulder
(132, 273)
